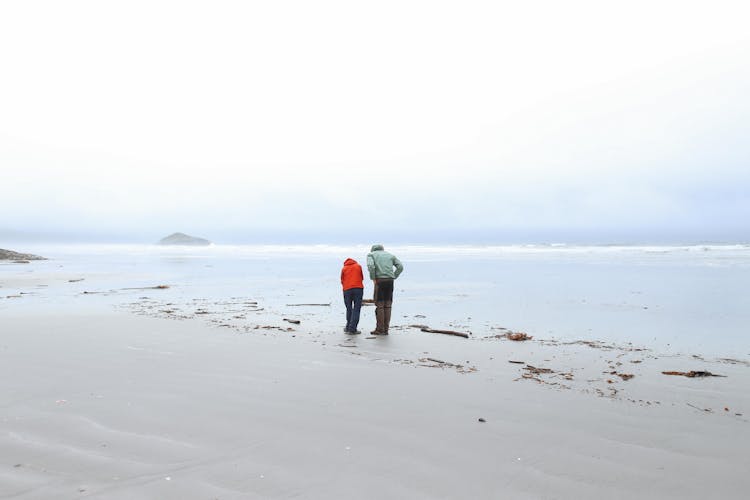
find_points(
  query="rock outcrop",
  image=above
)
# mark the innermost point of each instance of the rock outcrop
(15, 256)
(183, 239)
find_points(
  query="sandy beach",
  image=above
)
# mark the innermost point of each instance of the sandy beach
(545, 204)
(121, 393)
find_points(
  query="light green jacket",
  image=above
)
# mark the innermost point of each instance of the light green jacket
(381, 264)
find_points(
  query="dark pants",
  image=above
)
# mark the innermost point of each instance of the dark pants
(383, 295)
(383, 290)
(353, 303)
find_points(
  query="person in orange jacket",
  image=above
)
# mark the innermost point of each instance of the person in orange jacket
(353, 285)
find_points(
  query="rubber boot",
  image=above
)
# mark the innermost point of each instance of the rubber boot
(386, 317)
(379, 318)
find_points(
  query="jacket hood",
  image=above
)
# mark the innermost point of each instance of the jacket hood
(375, 248)
(350, 262)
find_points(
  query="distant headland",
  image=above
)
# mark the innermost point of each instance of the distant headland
(18, 257)
(183, 239)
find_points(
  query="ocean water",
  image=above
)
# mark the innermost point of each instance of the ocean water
(682, 299)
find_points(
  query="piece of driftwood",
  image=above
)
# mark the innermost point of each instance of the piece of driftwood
(298, 305)
(694, 374)
(707, 410)
(446, 332)
(157, 287)
(293, 321)
(517, 362)
(434, 360)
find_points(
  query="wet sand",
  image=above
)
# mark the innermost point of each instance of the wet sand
(110, 390)
(105, 404)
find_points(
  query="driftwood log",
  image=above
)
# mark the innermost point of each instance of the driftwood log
(157, 287)
(446, 332)
(694, 374)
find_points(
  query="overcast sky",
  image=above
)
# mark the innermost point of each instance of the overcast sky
(370, 120)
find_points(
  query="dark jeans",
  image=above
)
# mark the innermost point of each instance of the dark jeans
(353, 303)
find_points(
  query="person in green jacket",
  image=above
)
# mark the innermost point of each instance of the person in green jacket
(384, 268)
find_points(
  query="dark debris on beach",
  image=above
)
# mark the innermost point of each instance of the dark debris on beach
(693, 374)
(612, 381)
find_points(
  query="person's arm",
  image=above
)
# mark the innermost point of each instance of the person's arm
(371, 266)
(342, 277)
(399, 266)
(361, 276)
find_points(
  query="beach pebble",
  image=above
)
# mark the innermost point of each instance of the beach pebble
(482, 420)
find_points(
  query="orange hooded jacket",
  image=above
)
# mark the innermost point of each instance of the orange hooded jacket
(351, 275)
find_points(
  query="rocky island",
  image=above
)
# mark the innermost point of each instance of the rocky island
(18, 257)
(183, 239)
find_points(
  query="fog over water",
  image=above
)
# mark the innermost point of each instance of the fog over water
(479, 122)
